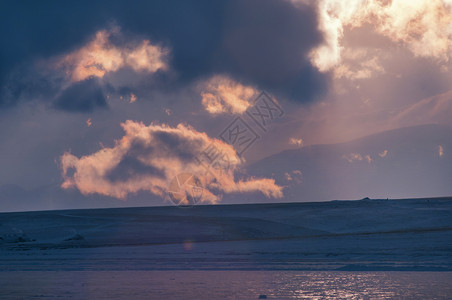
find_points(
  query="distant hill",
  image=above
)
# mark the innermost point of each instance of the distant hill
(436, 109)
(408, 162)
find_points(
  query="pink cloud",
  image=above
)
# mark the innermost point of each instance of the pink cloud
(100, 56)
(147, 158)
(221, 94)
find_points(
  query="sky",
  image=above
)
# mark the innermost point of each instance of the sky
(107, 103)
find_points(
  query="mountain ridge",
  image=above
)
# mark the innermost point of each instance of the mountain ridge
(400, 163)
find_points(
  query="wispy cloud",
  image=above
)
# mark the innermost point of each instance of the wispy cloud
(294, 177)
(440, 151)
(353, 157)
(296, 142)
(221, 94)
(383, 153)
(358, 64)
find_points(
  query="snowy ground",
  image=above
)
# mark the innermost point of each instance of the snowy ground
(366, 235)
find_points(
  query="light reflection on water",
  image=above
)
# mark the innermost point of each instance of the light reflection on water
(225, 285)
(338, 285)
(361, 285)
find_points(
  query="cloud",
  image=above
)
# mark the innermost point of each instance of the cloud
(220, 94)
(29, 34)
(383, 153)
(294, 177)
(423, 26)
(83, 96)
(352, 157)
(295, 141)
(100, 56)
(259, 43)
(288, 176)
(440, 151)
(75, 81)
(147, 158)
(266, 43)
(356, 64)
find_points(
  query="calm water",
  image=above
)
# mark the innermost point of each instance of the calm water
(225, 285)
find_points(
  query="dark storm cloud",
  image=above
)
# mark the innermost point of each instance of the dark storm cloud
(267, 42)
(33, 29)
(83, 96)
(259, 42)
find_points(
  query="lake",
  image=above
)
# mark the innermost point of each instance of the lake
(190, 284)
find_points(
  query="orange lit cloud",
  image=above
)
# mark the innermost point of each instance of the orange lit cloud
(296, 142)
(423, 26)
(133, 98)
(221, 94)
(147, 158)
(352, 157)
(295, 176)
(100, 56)
(383, 153)
(440, 151)
(358, 64)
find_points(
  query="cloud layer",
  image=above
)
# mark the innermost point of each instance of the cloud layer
(262, 43)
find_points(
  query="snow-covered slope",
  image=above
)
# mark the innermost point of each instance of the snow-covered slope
(368, 234)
